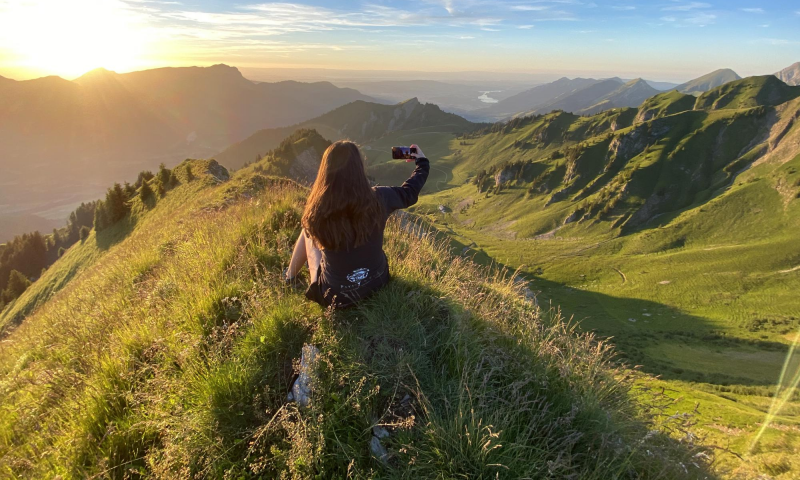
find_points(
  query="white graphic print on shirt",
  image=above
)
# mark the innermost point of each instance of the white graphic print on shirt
(358, 275)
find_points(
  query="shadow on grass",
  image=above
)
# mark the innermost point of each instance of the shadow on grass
(664, 341)
(645, 333)
(459, 375)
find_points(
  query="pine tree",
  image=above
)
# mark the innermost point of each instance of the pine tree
(146, 191)
(17, 284)
(173, 179)
(160, 188)
(100, 216)
(130, 191)
(115, 204)
(163, 174)
(84, 233)
(189, 174)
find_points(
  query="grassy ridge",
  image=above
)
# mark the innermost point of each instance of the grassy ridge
(169, 354)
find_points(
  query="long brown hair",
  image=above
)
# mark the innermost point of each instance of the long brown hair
(342, 210)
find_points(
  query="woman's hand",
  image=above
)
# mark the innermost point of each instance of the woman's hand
(419, 153)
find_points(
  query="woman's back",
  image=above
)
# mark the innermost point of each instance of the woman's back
(353, 270)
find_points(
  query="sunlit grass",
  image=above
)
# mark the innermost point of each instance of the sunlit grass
(170, 352)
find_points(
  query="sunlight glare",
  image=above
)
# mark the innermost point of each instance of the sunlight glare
(69, 38)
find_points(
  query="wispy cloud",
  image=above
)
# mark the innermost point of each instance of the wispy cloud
(686, 6)
(753, 10)
(688, 14)
(700, 19)
(529, 8)
(525, 27)
(623, 8)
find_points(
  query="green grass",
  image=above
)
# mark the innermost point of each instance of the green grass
(701, 291)
(748, 92)
(170, 352)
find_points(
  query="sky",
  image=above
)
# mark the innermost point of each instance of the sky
(672, 40)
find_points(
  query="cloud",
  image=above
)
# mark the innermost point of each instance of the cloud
(623, 7)
(700, 19)
(529, 8)
(525, 27)
(687, 6)
(752, 10)
(688, 14)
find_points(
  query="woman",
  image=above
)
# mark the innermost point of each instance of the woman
(343, 223)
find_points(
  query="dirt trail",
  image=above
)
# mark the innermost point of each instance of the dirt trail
(624, 278)
(790, 269)
(440, 182)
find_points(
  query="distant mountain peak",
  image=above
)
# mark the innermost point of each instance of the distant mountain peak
(709, 81)
(97, 72)
(410, 101)
(790, 75)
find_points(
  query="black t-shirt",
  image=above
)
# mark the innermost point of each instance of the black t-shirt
(351, 274)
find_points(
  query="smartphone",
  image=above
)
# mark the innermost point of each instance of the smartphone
(403, 153)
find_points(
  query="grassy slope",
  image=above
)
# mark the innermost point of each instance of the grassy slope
(749, 92)
(704, 295)
(170, 352)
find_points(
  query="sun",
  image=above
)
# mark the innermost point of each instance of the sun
(71, 37)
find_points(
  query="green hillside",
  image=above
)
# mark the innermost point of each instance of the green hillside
(671, 230)
(766, 90)
(163, 347)
(664, 104)
(359, 121)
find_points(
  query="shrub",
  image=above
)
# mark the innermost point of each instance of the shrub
(146, 191)
(84, 233)
(17, 284)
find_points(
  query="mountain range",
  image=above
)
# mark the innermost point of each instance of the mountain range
(105, 125)
(359, 121)
(61, 141)
(588, 95)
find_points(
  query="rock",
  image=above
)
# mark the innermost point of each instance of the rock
(301, 390)
(380, 432)
(305, 166)
(505, 175)
(571, 218)
(377, 449)
(217, 171)
(468, 248)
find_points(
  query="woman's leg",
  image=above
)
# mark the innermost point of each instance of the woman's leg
(304, 252)
(314, 258)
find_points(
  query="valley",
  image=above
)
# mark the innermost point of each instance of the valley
(702, 290)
